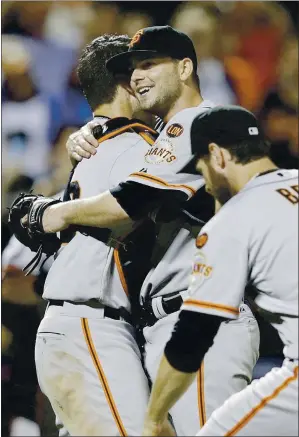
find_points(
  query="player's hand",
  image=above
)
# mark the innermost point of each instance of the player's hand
(82, 144)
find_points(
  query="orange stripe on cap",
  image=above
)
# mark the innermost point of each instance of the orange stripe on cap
(162, 182)
(262, 404)
(120, 271)
(124, 129)
(102, 377)
(212, 305)
(201, 395)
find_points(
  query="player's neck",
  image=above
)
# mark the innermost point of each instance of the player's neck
(188, 99)
(242, 174)
(114, 109)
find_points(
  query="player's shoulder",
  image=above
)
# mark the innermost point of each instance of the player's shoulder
(173, 146)
(257, 200)
(122, 128)
(183, 119)
(265, 186)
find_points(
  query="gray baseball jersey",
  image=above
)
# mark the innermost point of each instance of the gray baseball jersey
(252, 239)
(171, 152)
(88, 268)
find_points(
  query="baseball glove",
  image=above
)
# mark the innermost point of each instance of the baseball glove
(32, 233)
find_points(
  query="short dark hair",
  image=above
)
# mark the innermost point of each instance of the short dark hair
(248, 150)
(98, 85)
(243, 151)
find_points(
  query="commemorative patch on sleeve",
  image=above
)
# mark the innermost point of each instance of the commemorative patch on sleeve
(201, 240)
(174, 130)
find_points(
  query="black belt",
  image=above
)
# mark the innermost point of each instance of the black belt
(168, 304)
(111, 313)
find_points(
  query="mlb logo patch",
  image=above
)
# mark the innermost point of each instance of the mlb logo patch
(253, 131)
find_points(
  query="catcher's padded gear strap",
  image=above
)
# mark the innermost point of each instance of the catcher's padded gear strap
(110, 129)
(34, 262)
(119, 125)
(182, 351)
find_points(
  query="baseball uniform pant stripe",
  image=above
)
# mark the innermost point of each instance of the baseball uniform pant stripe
(120, 271)
(124, 129)
(162, 182)
(102, 377)
(212, 305)
(262, 404)
(201, 396)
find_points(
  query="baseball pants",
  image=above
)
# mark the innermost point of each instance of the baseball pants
(267, 407)
(90, 369)
(227, 367)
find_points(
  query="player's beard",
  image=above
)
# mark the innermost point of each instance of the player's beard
(161, 98)
(221, 193)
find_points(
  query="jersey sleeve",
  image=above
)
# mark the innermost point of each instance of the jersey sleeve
(219, 273)
(142, 199)
(186, 183)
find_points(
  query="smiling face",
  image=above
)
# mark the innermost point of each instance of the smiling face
(156, 84)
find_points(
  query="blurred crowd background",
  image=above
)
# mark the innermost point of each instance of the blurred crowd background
(248, 55)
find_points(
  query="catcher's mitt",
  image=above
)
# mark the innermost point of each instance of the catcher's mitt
(32, 234)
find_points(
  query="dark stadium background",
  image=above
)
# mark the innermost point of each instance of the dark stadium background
(248, 53)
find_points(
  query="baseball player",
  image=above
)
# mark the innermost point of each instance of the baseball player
(87, 359)
(260, 246)
(163, 76)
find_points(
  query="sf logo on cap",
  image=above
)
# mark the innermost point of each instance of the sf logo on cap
(136, 38)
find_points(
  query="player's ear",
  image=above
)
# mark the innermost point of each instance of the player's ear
(217, 157)
(185, 68)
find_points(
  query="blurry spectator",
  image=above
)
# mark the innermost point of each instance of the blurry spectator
(50, 63)
(131, 22)
(29, 119)
(225, 79)
(279, 114)
(106, 19)
(74, 107)
(26, 18)
(20, 320)
(67, 21)
(60, 165)
(21, 307)
(256, 32)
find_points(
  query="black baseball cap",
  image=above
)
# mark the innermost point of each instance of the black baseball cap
(152, 42)
(223, 125)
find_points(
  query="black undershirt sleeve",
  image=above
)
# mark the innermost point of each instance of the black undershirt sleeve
(192, 336)
(140, 200)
